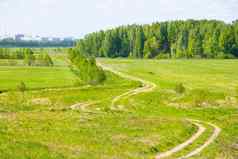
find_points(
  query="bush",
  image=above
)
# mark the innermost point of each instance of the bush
(163, 56)
(200, 97)
(21, 87)
(179, 88)
(225, 56)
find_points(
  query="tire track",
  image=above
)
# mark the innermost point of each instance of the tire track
(210, 140)
(201, 130)
(146, 86)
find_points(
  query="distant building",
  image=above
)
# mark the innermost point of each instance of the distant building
(45, 39)
(30, 38)
(19, 37)
(37, 38)
(68, 39)
(27, 38)
(56, 39)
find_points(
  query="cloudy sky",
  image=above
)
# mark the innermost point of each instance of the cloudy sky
(78, 17)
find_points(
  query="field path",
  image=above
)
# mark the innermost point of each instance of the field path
(211, 139)
(146, 86)
(201, 130)
(150, 86)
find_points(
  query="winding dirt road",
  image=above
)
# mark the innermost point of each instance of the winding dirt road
(201, 130)
(148, 87)
(210, 140)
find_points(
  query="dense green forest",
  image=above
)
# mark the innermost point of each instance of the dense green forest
(172, 39)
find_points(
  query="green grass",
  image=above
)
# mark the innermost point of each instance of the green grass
(11, 62)
(39, 123)
(36, 77)
(210, 95)
(82, 135)
(52, 130)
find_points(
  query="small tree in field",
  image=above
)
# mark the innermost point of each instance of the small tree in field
(29, 57)
(48, 60)
(179, 88)
(21, 87)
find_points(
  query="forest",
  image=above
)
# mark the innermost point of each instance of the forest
(170, 39)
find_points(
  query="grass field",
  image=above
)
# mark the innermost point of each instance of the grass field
(40, 124)
(36, 77)
(211, 95)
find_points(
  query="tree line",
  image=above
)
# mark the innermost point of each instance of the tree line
(171, 39)
(86, 68)
(29, 57)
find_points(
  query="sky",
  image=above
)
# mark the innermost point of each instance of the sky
(79, 17)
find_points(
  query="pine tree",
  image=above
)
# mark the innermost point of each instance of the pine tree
(181, 45)
(194, 44)
(139, 44)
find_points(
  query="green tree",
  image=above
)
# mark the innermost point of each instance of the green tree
(139, 44)
(21, 87)
(194, 44)
(48, 60)
(151, 48)
(227, 40)
(182, 45)
(86, 68)
(107, 46)
(29, 57)
(190, 38)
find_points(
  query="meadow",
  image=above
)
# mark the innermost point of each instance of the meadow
(41, 123)
(210, 95)
(35, 77)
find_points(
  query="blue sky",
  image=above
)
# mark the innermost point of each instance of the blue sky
(78, 17)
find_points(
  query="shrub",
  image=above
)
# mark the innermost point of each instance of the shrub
(179, 88)
(200, 97)
(21, 87)
(225, 56)
(163, 56)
